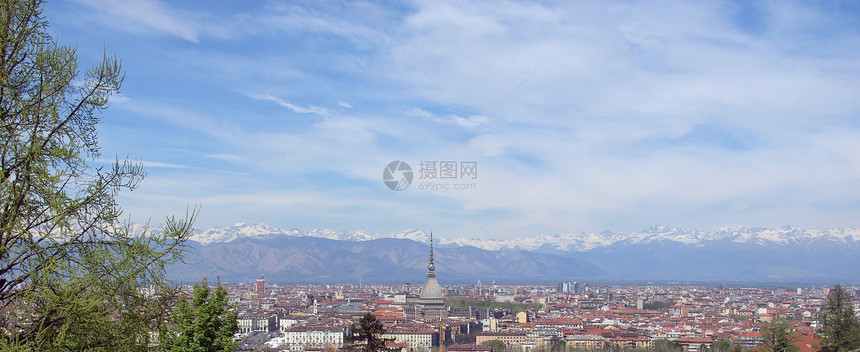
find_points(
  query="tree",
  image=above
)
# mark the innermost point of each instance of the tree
(497, 345)
(204, 325)
(722, 346)
(72, 276)
(366, 336)
(556, 344)
(664, 345)
(658, 305)
(779, 336)
(461, 338)
(840, 329)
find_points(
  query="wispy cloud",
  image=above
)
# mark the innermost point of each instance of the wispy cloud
(465, 122)
(139, 15)
(227, 157)
(299, 109)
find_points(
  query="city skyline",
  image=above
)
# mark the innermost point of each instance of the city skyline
(577, 118)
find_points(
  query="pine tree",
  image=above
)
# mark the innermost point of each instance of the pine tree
(840, 330)
(206, 324)
(366, 336)
(779, 336)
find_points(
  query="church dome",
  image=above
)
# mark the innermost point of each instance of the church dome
(431, 290)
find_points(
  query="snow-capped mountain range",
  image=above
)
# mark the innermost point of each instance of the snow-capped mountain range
(785, 254)
(573, 242)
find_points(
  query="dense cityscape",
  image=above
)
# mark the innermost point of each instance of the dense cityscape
(567, 316)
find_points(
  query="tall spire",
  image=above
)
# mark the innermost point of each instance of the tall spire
(431, 269)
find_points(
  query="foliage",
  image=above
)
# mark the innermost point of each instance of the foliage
(658, 305)
(739, 317)
(722, 346)
(72, 277)
(779, 336)
(513, 307)
(366, 336)
(557, 344)
(664, 345)
(840, 330)
(497, 345)
(461, 338)
(205, 325)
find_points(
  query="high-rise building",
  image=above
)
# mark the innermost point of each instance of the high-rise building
(261, 286)
(563, 287)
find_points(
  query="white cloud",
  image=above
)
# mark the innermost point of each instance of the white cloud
(226, 157)
(136, 15)
(299, 109)
(119, 99)
(469, 122)
(354, 22)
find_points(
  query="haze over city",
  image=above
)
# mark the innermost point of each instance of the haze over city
(579, 117)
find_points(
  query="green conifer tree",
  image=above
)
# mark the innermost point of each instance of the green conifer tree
(366, 336)
(206, 324)
(840, 330)
(779, 336)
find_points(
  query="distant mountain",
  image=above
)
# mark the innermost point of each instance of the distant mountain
(772, 255)
(581, 242)
(290, 258)
(657, 253)
(243, 230)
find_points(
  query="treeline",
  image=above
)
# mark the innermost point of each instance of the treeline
(658, 305)
(480, 303)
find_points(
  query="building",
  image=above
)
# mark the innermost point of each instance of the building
(261, 286)
(508, 337)
(252, 321)
(417, 338)
(587, 342)
(563, 287)
(300, 337)
(469, 348)
(431, 300)
(635, 342)
(694, 344)
(287, 322)
(522, 317)
(748, 339)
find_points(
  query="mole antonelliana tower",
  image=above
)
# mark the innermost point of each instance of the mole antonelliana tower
(431, 299)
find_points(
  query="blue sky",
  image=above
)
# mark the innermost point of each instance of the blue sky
(581, 116)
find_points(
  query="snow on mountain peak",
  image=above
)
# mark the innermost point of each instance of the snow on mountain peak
(577, 242)
(237, 231)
